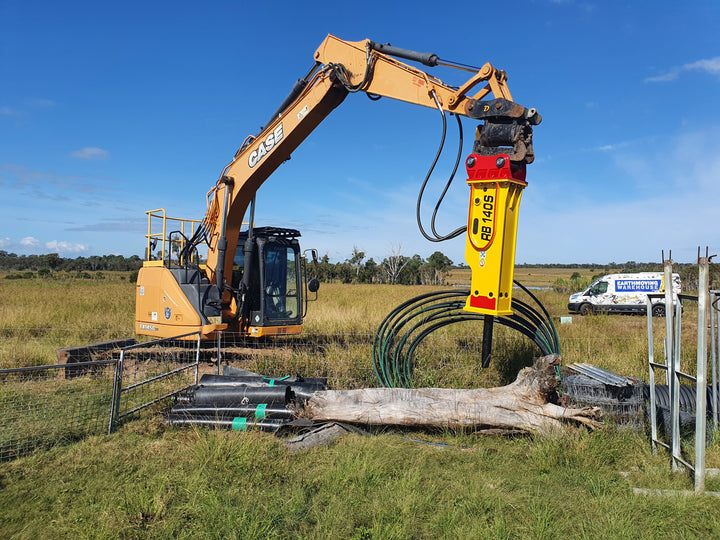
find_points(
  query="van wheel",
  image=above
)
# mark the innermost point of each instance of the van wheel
(586, 309)
(658, 310)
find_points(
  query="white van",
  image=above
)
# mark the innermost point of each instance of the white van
(623, 293)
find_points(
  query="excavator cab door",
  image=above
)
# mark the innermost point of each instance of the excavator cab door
(275, 282)
(281, 283)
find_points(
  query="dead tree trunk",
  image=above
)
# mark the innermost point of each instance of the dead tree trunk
(520, 406)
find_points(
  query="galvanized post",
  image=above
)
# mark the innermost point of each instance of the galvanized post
(677, 339)
(117, 389)
(671, 360)
(715, 341)
(677, 373)
(651, 379)
(219, 351)
(669, 326)
(197, 357)
(701, 385)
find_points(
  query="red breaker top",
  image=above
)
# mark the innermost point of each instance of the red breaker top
(493, 168)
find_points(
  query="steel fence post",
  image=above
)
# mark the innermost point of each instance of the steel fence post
(701, 385)
(117, 388)
(219, 349)
(197, 357)
(670, 355)
(714, 343)
(651, 379)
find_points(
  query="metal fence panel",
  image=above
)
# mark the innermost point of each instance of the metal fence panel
(150, 372)
(46, 405)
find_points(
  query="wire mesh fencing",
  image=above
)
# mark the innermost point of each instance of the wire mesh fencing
(47, 405)
(43, 406)
(148, 373)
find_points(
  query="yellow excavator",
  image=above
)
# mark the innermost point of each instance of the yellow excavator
(251, 282)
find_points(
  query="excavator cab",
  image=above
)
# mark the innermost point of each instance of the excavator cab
(271, 296)
(265, 296)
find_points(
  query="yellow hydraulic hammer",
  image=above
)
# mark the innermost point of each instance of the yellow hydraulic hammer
(496, 186)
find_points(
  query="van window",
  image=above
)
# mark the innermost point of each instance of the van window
(599, 288)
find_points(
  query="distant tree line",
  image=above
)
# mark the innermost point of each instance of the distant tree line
(10, 262)
(628, 267)
(393, 269)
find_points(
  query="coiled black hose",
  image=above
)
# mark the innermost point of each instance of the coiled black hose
(405, 327)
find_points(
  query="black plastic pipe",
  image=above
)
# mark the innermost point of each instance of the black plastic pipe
(238, 424)
(258, 412)
(220, 396)
(300, 387)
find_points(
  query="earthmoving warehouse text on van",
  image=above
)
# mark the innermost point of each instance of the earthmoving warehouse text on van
(644, 285)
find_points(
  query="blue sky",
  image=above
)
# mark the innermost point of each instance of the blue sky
(108, 109)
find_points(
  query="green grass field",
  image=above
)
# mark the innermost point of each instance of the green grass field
(151, 480)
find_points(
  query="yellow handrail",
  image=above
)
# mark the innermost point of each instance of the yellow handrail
(167, 243)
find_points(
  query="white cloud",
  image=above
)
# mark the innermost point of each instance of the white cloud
(31, 245)
(709, 65)
(607, 147)
(670, 76)
(65, 247)
(91, 153)
(612, 147)
(29, 242)
(7, 111)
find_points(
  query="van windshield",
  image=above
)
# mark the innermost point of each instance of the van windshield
(599, 287)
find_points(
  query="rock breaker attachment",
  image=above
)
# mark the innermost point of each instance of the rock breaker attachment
(496, 185)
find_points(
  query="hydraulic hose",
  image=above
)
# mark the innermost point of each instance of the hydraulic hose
(404, 329)
(435, 237)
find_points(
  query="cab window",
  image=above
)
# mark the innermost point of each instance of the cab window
(599, 288)
(238, 267)
(282, 299)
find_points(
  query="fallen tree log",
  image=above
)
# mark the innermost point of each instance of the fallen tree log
(520, 406)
